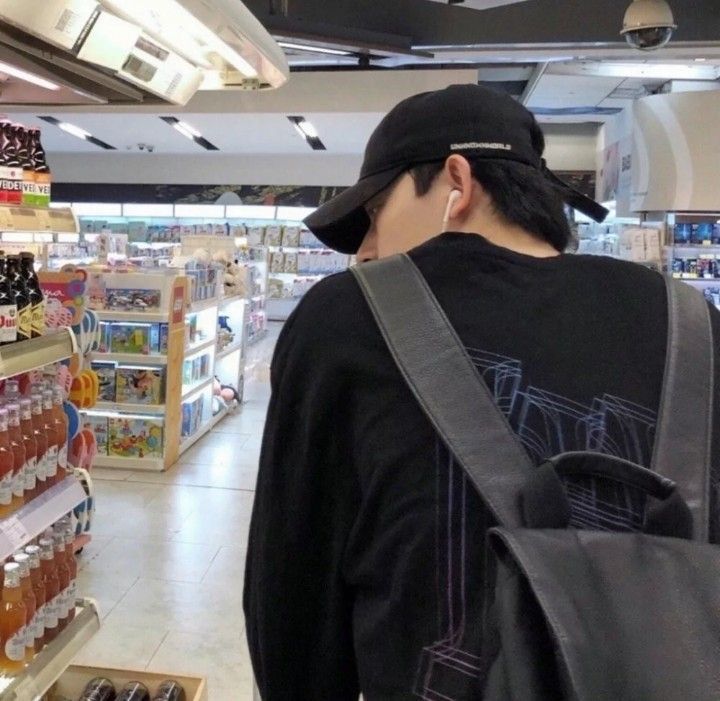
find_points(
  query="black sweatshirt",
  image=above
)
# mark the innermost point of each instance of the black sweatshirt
(364, 562)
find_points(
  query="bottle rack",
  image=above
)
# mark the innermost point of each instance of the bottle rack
(32, 519)
(180, 315)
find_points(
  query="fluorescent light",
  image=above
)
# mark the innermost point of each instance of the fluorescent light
(668, 71)
(252, 211)
(313, 49)
(60, 205)
(16, 72)
(192, 130)
(185, 132)
(97, 209)
(308, 129)
(299, 130)
(75, 131)
(147, 210)
(202, 211)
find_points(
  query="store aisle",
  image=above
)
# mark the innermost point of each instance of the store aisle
(168, 553)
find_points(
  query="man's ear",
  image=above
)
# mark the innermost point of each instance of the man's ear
(458, 175)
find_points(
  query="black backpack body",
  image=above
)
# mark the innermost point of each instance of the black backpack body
(574, 614)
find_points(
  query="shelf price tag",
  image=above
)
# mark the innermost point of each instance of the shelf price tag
(15, 531)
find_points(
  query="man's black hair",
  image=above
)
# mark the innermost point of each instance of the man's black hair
(521, 195)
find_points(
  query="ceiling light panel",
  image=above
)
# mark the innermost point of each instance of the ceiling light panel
(640, 69)
(309, 48)
(308, 132)
(77, 132)
(190, 132)
(28, 77)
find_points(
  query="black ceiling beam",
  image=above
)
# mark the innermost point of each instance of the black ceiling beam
(549, 22)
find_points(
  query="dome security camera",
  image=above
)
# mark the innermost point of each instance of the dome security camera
(648, 24)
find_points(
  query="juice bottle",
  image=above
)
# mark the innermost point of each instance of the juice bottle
(12, 390)
(7, 464)
(13, 619)
(72, 566)
(23, 559)
(61, 426)
(36, 577)
(52, 589)
(18, 449)
(41, 440)
(63, 572)
(31, 448)
(50, 428)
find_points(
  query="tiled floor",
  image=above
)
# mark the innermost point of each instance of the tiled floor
(168, 552)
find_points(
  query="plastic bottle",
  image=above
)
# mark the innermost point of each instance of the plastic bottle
(31, 449)
(13, 619)
(38, 585)
(23, 559)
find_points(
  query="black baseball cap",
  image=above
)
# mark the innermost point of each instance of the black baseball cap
(470, 120)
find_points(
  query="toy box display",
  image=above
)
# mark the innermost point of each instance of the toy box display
(291, 236)
(135, 438)
(99, 426)
(192, 414)
(106, 377)
(139, 385)
(196, 369)
(136, 300)
(134, 338)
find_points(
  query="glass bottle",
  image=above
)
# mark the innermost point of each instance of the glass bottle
(22, 298)
(29, 198)
(41, 440)
(71, 560)
(23, 559)
(18, 449)
(50, 428)
(133, 691)
(8, 307)
(7, 468)
(31, 449)
(52, 589)
(61, 426)
(13, 619)
(37, 297)
(12, 390)
(43, 176)
(12, 171)
(63, 572)
(38, 585)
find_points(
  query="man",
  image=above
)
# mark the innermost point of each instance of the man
(365, 564)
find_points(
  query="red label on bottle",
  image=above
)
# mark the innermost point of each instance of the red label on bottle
(8, 323)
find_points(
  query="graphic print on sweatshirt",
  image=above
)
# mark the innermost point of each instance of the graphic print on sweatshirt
(547, 424)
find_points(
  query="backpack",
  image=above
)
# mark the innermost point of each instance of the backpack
(574, 614)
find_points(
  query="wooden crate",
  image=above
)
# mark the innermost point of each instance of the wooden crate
(72, 683)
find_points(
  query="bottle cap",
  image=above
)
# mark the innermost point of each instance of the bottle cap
(12, 575)
(23, 559)
(46, 549)
(33, 552)
(59, 542)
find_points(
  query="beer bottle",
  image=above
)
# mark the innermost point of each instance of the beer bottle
(22, 298)
(37, 298)
(8, 307)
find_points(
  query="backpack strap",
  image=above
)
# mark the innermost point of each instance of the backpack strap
(445, 382)
(683, 440)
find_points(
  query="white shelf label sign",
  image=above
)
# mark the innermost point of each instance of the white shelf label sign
(15, 532)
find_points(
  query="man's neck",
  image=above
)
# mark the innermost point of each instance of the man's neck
(512, 237)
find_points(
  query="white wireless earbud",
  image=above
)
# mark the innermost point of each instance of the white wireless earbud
(455, 195)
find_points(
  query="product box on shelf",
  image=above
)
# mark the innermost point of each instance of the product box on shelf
(134, 338)
(277, 262)
(135, 438)
(291, 236)
(192, 414)
(124, 299)
(99, 426)
(273, 236)
(256, 236)
(163, 340)
(139, 385)
(106, 375)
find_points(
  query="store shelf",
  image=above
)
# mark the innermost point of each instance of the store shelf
(34, 517)
(201, 305)
(81, 541)
(193, 349)
(256, 337)
(34, 219)
(128, 408)
(205, 428)
(224, 301)
(187, 390)
(35, 353)
(229, 350)
(121, 463)
(55, 658)
(137, 317)
(131, 358)
(280, 309)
